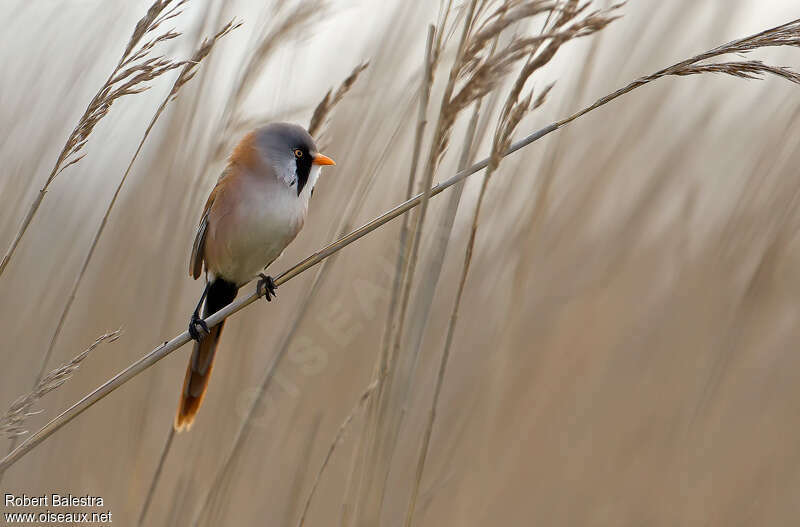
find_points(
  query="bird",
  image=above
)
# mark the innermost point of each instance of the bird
(256, 209)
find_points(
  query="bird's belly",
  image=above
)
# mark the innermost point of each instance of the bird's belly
(256, 238)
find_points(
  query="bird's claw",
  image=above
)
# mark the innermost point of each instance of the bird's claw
(198, 329)
(267, 287)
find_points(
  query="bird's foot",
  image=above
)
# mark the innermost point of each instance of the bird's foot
(266, 286)
(198, 329)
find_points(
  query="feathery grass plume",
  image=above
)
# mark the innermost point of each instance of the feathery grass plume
(785, 35)
(330, 100)
(11, 424)
(133, 74)
(191, 66)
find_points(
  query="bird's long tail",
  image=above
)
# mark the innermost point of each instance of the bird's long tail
(220, 294)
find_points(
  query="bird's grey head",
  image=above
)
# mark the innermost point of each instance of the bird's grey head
(290, 150)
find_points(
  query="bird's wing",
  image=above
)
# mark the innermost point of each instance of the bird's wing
(196, 260)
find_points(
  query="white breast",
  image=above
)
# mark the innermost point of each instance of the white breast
(268, 216)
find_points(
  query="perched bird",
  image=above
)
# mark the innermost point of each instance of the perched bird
(256, 209)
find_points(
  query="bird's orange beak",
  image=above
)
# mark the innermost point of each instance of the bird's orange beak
(320, 159)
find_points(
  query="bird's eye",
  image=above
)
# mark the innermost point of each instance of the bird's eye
(298, 153)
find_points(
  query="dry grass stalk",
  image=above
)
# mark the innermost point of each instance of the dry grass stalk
(133, 74)
(791, 37)
(422, 122)
(330, 100)
(11, 424)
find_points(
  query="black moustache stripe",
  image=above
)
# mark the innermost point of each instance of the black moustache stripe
(303, 170)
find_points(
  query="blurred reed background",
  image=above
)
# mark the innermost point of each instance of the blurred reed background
(623, 354)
